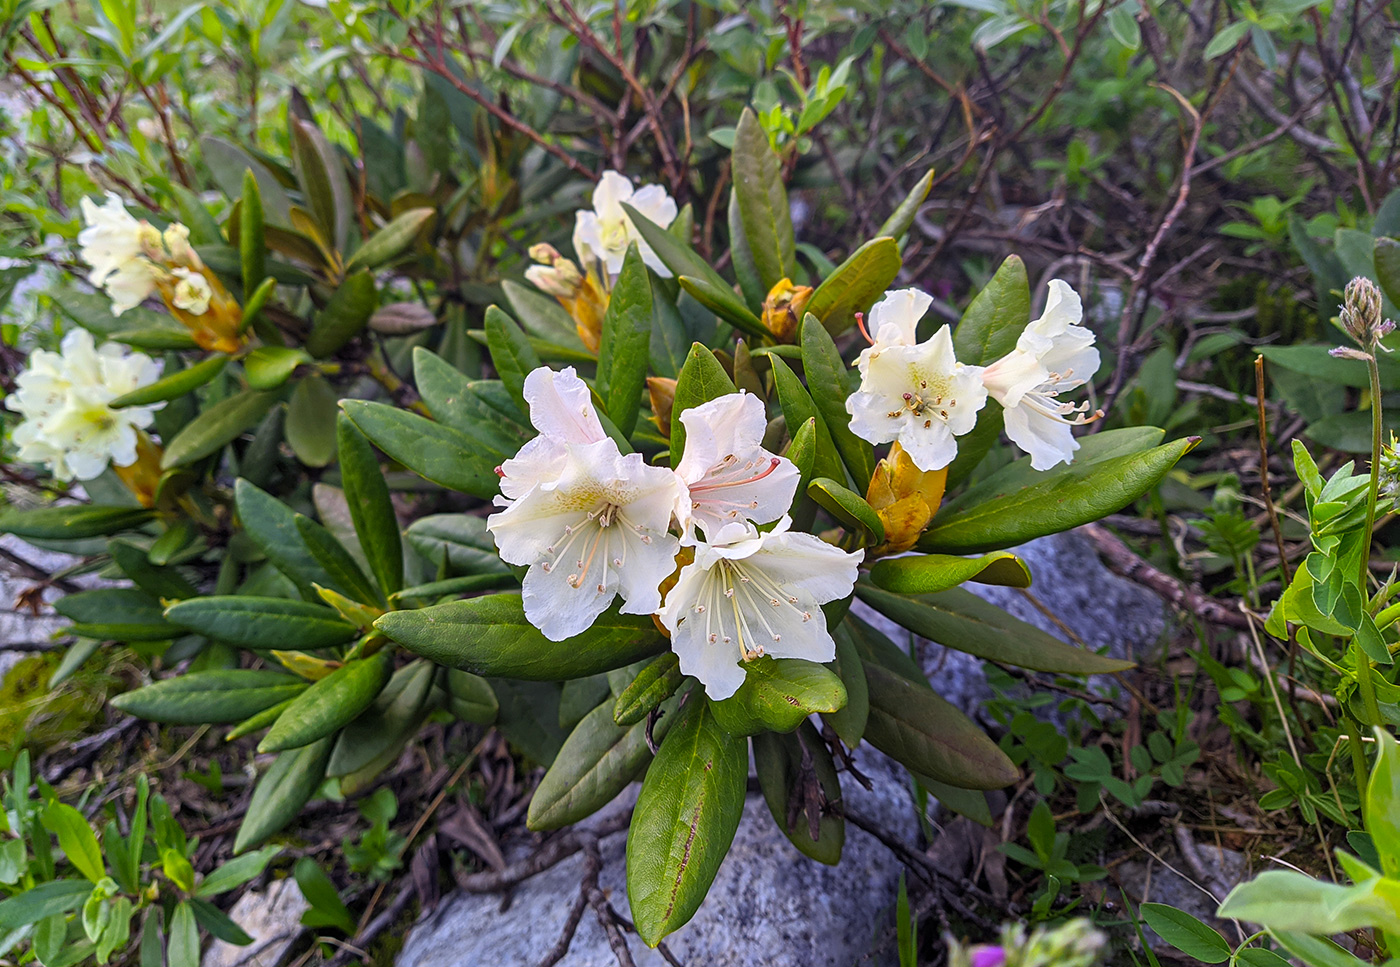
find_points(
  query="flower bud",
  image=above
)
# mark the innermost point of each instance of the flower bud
(783, 308)
(561, 280)
(1361, 313)
(905, 498)
(663, 399)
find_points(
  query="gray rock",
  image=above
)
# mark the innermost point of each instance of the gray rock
(769, 904)
(272, 917)
(20, 625)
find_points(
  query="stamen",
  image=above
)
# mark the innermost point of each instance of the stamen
(860, 324)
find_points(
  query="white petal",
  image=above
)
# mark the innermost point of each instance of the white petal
(1013, 376)
(1062, 310)
(644, 566)
(733, 423)
(931, 447)
(613, 189)
(655, 204)
(562, 601)
(540, 461)
(715, 664)
(1047, 438)
(893, 320)
(870, 419)
(561, 406)
(969, 395)
(588, 243)
(807, 563)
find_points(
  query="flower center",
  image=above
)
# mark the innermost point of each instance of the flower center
(925, 403)
(594, 534)
(735, 603)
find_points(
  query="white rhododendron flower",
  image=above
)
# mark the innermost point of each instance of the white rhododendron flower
(192, 292)
(749, 594)
(561, 408)
(921, 396)
(597, 530)
(1053, 355)
(115, 245)
(63, 398)
(603, 234)
(892, 322)
(729, 475)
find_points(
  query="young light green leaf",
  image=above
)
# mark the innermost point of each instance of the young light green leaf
(75, 838)
(1186, 933)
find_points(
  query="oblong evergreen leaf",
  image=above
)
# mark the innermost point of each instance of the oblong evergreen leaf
(329, 704)
(958, 619)
(686, 815)
(206, 697)
(490, 635)
(262, 623)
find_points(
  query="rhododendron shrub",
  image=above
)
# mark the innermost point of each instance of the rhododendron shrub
(675, 495)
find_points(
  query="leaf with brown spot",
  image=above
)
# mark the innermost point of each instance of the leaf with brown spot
(685, 819)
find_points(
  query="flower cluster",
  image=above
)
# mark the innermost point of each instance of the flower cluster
(602, 236)
(133, 260)
(594, 524)
(65, 400)
(919, 395)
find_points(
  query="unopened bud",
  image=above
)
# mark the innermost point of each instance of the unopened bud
(783, 308)
(1361, 313)
(663, 399)
(544, 253)
(561, 280)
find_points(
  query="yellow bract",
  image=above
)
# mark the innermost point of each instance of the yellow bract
(905, 498)
(783, 308)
